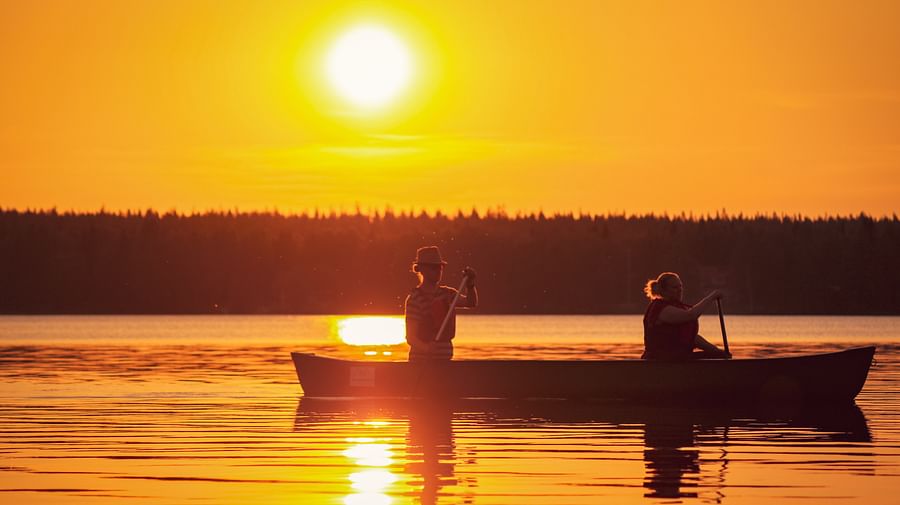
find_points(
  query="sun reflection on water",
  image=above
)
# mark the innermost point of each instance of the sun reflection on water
(376, 330)
(368, 499)
(373, 454)
(370, 454)
(373, 480)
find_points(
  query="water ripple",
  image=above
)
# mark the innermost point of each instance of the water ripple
(227, 423)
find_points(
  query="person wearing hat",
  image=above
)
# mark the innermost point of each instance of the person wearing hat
(427, 305)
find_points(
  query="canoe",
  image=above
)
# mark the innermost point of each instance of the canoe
(818, 378)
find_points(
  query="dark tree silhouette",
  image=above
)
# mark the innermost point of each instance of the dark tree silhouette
(149, 262)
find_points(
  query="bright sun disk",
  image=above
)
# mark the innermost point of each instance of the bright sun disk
(369, 66)
(373, 330)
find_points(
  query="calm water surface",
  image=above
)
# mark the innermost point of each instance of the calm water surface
(162, 409)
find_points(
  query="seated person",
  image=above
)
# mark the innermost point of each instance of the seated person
(428, 304)
(670, 325)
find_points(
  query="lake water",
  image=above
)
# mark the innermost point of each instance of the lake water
(207, 409)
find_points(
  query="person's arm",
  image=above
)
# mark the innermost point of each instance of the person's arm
(413, 325)
(674, 315)
(709, 347)
(470, 299)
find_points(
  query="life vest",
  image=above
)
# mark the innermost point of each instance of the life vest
(667, 341)
(430, 309)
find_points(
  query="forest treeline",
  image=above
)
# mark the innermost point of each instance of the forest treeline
(253, 263)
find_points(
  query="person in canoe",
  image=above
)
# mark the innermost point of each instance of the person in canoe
(428, 304)
(670, 325)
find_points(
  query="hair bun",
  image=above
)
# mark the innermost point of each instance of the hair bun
(651, 289)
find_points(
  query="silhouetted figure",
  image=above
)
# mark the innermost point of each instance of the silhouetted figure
(670, 325)
(430, 449)
(671, 460)
(428, 305)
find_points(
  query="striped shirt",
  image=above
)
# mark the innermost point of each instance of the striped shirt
(425, 311)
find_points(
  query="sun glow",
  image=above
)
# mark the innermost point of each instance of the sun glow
(369, 66)
(372, 330)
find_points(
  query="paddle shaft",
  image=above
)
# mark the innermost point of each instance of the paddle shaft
(722, 324)
(451, 309)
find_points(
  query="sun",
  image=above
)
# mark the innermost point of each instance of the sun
(369, 66)
(373, 330)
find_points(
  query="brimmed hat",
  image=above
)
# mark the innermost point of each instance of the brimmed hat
(429, 255)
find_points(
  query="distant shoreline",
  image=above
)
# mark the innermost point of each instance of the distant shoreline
(498, 212)
(103, 263)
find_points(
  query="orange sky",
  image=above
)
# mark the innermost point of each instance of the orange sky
(562, 106)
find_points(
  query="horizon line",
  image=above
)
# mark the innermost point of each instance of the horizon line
(498, 212)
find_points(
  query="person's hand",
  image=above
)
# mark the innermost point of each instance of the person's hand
(469, 274)
(716, 294)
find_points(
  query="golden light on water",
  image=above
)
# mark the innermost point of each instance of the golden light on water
(373, 480)
(370, 484)
(368, 499)
(372, 330)
(370, 454)
(376, 424)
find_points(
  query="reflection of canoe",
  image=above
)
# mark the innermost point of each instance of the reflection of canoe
(819, 378)
(774, 423)
(686, 449)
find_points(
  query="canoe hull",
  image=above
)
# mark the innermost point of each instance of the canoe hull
(831, 377)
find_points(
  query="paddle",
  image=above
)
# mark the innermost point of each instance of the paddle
(452, 307)
(722, 324)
